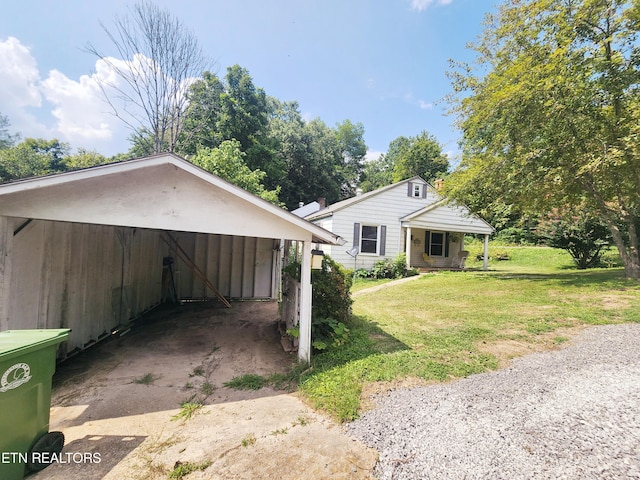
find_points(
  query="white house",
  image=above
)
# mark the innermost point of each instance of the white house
(89, 249)
(409, 216)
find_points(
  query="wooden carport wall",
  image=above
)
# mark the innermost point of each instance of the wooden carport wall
(162, 192)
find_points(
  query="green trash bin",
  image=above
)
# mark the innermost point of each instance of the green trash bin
(27, 363)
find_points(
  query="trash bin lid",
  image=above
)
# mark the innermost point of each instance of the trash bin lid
(19, 342)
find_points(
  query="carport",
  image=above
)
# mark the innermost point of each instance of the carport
(93, 249)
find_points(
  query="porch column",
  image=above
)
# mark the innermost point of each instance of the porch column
(304, 341)
(6, 241)
(408, 247)
(485, 264)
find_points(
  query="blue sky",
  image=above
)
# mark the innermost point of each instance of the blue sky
(378, 62)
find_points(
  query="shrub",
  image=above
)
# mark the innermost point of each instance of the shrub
(331, 309)
(392, 268)
(577, 232)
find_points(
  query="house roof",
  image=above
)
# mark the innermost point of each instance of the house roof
(326, 212)
(162, 191)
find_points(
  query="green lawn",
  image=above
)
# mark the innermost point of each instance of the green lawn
(452, 324)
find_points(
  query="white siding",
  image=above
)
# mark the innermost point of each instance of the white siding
(450, 218)
(385, 208)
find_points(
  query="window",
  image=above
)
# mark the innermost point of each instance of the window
(436, 244)
(369, 242)
(370, 239)
(416, 190)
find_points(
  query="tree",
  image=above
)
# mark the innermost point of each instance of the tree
(233, 108)
(161, 58)
(351, 141)
(83, 159)
(308, 153)
(32, 157)
(577, 232)
(377, 173)
(6, 139)
(420, 155)
(550, 116)
(227, 162)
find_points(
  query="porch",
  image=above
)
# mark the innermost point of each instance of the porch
(429, 250)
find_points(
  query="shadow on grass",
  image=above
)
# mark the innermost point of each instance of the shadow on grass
(366, 339)
(602, 278)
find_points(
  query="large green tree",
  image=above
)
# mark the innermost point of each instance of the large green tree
(227, 161)
(351, 141)
(420, 155)
(232, 108)
(32, 157)
(377, 173)
(550, 113)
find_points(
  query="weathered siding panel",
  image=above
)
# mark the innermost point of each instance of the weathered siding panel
(67, 275)
(239, 267)
(92, 278)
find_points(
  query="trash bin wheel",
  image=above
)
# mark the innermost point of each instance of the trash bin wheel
(48, 443)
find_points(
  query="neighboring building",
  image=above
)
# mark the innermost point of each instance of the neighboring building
(408, 216)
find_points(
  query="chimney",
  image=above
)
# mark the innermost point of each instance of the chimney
(300, 204)
(323, 202)
(358, 192)
(439, 183)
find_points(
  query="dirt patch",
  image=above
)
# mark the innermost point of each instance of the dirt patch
(506, 350)
(120, 402)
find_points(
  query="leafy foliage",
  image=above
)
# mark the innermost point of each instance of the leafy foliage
(420, 155)
(551, 114)
(32, 157)
(580, 234)
(389, 268)
(331, 302)
(227, 162)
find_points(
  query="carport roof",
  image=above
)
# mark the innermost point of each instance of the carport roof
(162, 192)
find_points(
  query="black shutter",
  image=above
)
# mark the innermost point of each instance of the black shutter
(446, 245)
(410, 189)
(383, 239)
(356, 235)
(427, 242)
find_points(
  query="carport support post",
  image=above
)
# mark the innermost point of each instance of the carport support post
(6, 240)
(304, 340)
(485, 258)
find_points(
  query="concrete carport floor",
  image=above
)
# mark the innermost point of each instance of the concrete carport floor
(116, 404)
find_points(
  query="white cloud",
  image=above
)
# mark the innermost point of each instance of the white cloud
(425, 105)
(56, 107)
(79, 110)
(372, 155)
(19, 77)
(421, 5)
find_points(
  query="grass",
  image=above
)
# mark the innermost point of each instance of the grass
(188, 409)
(180, 470)
(146, 379)
(453, 324)
(249, 381)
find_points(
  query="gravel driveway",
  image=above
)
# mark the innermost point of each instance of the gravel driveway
(572, 413)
